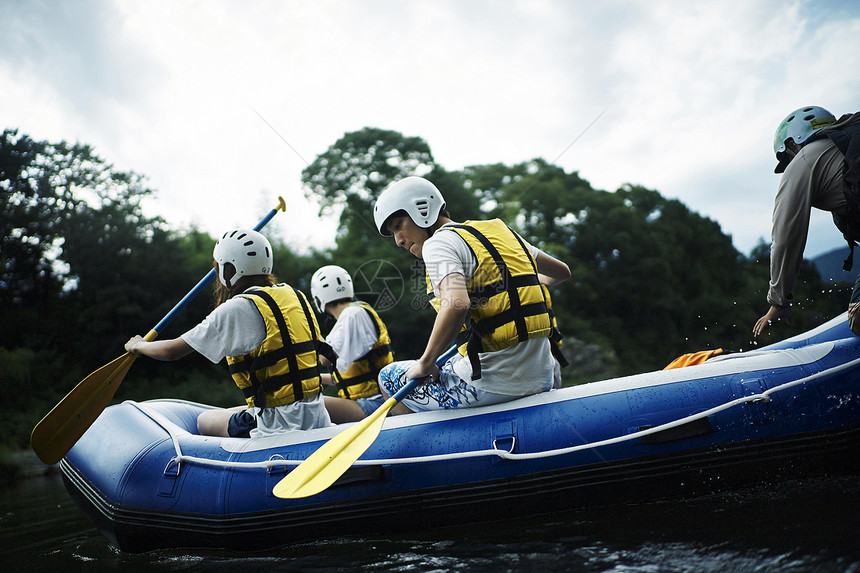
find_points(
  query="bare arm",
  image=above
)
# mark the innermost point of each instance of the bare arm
(551, 271)
(449, 321)
(172, 349)
(774, 313)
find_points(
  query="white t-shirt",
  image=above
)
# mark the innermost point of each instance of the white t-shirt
(519, 370)
(352, 336)
(235, 328)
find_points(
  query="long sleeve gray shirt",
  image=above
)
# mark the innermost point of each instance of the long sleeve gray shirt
(812, 179)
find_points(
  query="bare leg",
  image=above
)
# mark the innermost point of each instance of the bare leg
(214, 422)
(341, 410)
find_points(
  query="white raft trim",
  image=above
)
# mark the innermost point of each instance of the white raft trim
(753, 363)
(270, 464)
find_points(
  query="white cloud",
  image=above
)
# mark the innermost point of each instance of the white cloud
(691, 92)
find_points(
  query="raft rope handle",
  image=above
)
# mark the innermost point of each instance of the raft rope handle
(510, 450)
(159, 419)
(169, 426)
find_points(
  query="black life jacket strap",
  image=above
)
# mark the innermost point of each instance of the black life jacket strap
(847, 140)
(558, 355)
(322, 346)
(555, 335)
(345, 383)
(274, 383)
(370, 358)
(271, 358)
(555, 338)
(848, 263)
(339, 382)
(488, 325)
(486, 292)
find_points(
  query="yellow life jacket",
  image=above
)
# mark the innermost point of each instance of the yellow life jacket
(285, 367)
(360, 379)
(508, 305)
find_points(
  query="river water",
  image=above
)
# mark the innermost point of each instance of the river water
(799, 525)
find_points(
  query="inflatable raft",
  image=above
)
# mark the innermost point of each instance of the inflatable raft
(791, 409)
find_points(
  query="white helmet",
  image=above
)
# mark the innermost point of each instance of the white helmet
(247, 250)
(798, 126)
(415, 195)
(330, 283)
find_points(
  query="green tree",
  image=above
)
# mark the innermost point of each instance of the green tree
(32, 202)
(73, 233)
(82, 268)
(351, 173)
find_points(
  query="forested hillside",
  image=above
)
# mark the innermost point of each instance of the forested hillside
(830, 265)
(82, 268)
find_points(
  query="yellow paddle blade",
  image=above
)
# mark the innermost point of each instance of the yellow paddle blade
(332, 459)
(57, 432)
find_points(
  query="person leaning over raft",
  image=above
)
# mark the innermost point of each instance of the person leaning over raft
(253, 322)
(360, 340)
(486, 281)
(819, 159)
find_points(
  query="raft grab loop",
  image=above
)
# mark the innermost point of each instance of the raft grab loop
(280, 468)
(510, 439)
(177, 461)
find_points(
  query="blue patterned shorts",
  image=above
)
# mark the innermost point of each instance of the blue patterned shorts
(370, 405)
(450, 391)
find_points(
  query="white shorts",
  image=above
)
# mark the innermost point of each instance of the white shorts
(450, 391)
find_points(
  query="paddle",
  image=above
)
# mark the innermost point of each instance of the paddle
(57, 432)
(332, 459)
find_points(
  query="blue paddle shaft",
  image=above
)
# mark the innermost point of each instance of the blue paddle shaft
(410, 386)
(204, 281)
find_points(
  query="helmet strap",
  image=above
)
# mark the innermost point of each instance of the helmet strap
(228, 272)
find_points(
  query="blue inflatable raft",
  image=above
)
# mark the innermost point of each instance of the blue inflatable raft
(791, 409)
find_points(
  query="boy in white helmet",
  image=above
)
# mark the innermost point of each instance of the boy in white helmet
(819, 158)
(254, 321)
(359, 338)
(485, 282)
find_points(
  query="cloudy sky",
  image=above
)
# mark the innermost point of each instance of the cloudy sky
(687, 95)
